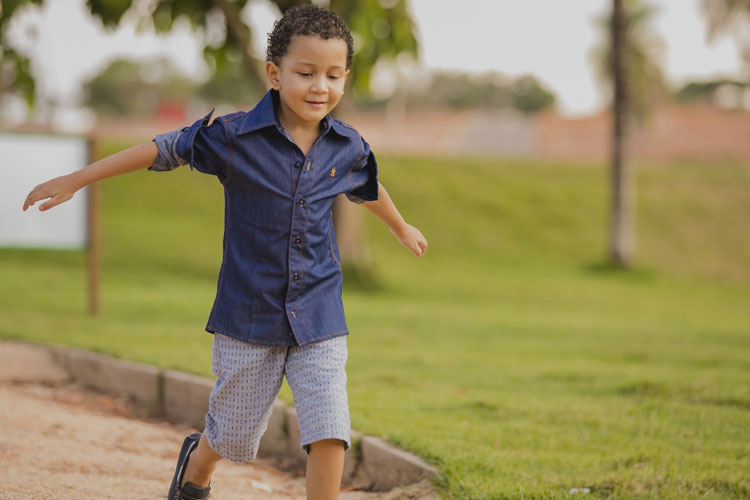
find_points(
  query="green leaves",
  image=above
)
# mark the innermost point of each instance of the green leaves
(15, 68)
(646, 80)
(109, 11)
(129, 88)
(15, 74)
(383, 29)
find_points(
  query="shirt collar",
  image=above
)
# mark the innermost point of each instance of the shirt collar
(264, 115)
(340, 128)
(261, 116)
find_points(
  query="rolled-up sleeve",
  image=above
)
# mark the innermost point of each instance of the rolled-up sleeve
(167, 159)
(204, 147)
(364, 178)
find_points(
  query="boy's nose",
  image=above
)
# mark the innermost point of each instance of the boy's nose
(319, 85)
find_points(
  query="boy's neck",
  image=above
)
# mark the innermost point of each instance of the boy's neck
(302, 133)
(297, 126)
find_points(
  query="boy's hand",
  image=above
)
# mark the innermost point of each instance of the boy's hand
(59, 189)
(411, 238)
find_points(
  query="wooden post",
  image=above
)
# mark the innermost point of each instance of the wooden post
(92, 230)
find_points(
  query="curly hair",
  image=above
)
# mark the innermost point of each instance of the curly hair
(307, 20)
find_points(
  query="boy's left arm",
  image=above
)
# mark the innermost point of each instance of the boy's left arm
(386, 211)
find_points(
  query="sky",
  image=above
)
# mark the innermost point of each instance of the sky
(550, 39)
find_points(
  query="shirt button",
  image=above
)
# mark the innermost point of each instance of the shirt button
(294, 313)
(298, 164)
(298, 240)
(301, 201)
(296, 276)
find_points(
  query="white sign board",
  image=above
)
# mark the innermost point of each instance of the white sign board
(27, 160)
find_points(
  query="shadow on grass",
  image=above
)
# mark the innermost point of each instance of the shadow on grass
(608, 269)
(362, 279)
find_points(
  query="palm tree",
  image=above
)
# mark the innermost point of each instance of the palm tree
(627, 64)
(622, 241)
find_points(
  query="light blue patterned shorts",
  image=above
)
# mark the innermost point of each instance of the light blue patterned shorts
(249, 379)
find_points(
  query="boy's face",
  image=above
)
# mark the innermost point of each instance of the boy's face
(310, 79)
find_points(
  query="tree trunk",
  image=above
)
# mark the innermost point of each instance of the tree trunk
(356, 260)
(622, 241)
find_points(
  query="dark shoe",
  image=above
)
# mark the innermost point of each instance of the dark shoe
(188, 491)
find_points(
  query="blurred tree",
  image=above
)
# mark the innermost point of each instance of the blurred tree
(382, 29)
(462, 90)
(646, 81)
(475, 91)
(622, 244)
(730, 17)
(628, 61)
(135, 88)
(529, 96)
(723, 92)
(15, 67)
(230, 85)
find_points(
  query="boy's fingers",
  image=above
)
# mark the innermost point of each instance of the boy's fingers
(47, 205)
(35, 195)
(419, 249)
(56, 200)
(30, 200)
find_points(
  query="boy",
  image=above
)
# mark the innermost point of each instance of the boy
(278, 308)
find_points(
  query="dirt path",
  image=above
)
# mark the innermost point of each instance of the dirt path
(60, 442)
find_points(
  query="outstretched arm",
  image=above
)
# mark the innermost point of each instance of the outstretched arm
(386, 211)
(61, 189)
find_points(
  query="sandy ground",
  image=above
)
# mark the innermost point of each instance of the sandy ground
(61, 442)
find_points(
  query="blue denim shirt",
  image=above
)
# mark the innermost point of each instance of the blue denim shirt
(280, 279)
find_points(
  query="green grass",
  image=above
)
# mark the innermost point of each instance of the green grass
(508, 356)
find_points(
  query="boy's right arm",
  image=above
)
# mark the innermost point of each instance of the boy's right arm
(61, 189)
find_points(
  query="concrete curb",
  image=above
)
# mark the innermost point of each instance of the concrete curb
(183, 398)
(138, 381)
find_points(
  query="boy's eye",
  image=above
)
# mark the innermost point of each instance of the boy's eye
(305, 74)
(333, 77)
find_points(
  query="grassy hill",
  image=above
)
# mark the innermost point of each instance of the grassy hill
(508, 356)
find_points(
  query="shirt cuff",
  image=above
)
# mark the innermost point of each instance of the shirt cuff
(167, 159)
(354, 199)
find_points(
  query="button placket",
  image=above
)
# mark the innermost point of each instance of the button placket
(299, 216)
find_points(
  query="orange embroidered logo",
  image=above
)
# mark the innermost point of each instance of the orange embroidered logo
(333, 172)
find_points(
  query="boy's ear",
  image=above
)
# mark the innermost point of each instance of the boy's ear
(272, 73)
